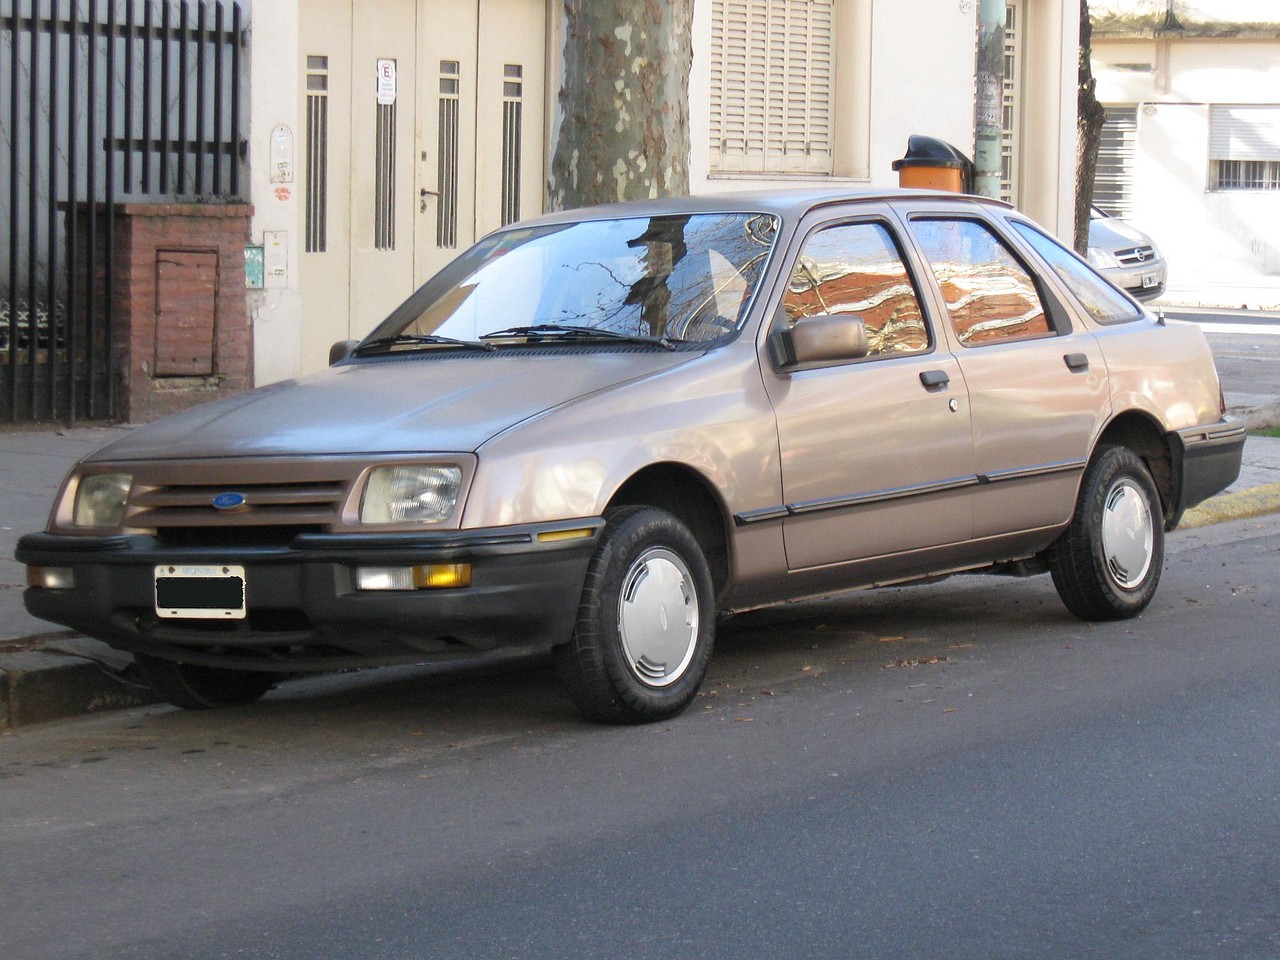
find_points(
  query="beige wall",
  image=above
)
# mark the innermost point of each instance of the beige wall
(1207, 236)
(1048, 149)
(1231, 11)
(905, 68)
(276, 310)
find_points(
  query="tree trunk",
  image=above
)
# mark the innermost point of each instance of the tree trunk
(624, 102)
(1090, 117)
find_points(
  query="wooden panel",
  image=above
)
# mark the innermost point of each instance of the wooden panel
(186, 312)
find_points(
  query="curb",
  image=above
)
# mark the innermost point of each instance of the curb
(1254, 502)
(61, 675)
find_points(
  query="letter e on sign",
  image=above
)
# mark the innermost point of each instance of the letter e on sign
(386, 82)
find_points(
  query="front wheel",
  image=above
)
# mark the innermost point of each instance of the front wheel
(646, 623)
(202, 688)
(1107, 564)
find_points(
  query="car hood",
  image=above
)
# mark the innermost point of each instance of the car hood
(435, 403)
(1113, 234)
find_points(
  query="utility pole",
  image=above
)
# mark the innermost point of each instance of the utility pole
(989, 103)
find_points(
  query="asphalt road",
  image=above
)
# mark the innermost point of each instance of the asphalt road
(952, 771)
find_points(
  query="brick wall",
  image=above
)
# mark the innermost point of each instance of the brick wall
(182, 334)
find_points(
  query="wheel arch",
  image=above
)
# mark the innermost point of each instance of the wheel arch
(687, 496)
(1148, 439)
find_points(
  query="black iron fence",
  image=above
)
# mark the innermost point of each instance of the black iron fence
(101, 102)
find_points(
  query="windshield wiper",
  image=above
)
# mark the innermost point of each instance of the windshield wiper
(568, 331)
(426, 339)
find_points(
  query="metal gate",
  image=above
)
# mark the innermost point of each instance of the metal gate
(101, 102)
(1113, 181)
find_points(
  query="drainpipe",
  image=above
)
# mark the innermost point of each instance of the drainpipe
(989, 104)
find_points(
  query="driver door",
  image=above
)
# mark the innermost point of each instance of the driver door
(877, 452)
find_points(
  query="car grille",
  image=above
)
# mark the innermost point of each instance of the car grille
(280, 496)
(267, 504)
(1137, 256)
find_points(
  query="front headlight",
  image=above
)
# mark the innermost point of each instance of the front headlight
(101, 499)
(410, 494)
(1101, 258)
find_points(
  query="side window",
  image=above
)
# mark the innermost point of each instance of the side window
(990, 296)
(856, 268)
(1099, 298)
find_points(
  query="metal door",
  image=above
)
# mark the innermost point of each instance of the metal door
(425, 130)
(482, 141)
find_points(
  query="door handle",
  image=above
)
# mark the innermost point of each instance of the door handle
(422, 201)
(1077, 361)
(932, 379)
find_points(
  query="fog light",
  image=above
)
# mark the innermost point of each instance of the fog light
(431, 576)
(51, 578)
(438, 576)
(384, 578)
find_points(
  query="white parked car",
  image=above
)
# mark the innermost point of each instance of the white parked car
(1126, 256)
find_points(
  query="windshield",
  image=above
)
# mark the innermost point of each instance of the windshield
(672, 279)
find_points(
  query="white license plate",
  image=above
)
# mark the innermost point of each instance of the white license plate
(1149, 280)
(200, 592)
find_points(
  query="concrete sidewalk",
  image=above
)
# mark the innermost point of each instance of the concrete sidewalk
(47, 672)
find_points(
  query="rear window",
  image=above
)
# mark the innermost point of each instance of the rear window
(1102, 301)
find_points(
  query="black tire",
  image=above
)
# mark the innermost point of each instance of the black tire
(202, 688)
(646, 623)
(1107, 564)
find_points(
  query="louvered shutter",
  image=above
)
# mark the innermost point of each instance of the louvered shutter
(771, 76)
(1113, 177)
(1244, 132)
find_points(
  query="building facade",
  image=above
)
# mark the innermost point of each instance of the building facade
(1192, 144)
(387, 135)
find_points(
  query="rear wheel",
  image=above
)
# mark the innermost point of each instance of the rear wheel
(202, 688)
(1107, 565)
(646, 623)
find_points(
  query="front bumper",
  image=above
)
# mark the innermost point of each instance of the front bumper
(1142, 282)
(304, 611)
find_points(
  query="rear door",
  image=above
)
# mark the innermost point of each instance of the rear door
(876, 453)
(1037, 382)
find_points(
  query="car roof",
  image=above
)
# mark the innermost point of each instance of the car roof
(790, 203)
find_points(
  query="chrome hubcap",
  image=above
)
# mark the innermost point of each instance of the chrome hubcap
(658, 617)
(1128, 534)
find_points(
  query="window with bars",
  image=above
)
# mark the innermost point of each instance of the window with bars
(772, 65)
(384, 181)
(447, 155)
(317, 154)
(1244, 147)
(1246, 174)
(512, 115)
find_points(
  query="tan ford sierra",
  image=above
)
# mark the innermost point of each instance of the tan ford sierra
(600, 431)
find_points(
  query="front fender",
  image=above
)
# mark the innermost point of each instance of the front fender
(710, 416)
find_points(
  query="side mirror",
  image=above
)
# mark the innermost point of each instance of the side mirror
(341, 350)
(816, 339)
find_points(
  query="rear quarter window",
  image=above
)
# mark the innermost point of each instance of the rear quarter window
(1100, 300)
